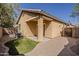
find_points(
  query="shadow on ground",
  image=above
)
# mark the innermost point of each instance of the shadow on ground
(72, 49)
(12, 49)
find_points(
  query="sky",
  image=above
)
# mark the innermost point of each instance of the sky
(60, 10)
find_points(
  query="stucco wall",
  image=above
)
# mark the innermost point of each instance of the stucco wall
(33, 27)
(25, 16)
(24, 26)
(48, 29)
(54, 29)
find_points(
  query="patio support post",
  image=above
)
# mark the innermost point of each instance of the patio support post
(40, 29)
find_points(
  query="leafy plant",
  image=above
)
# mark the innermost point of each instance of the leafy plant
(7, 14)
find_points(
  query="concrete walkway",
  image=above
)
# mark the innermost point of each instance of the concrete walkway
(49, 48)
(3, 48)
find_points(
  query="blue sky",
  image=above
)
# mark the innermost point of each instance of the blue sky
(59, 10)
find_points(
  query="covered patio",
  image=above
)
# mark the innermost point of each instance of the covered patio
(38, 28)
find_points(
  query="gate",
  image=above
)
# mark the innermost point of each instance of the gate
(68, 32)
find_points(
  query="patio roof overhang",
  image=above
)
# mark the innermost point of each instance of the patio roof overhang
(37, 17)
(33, 18)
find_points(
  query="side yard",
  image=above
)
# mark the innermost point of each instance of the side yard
(20, 46)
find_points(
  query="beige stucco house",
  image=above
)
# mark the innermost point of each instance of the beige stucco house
(35, 22)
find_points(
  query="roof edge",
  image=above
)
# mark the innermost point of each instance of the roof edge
(40, 12)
